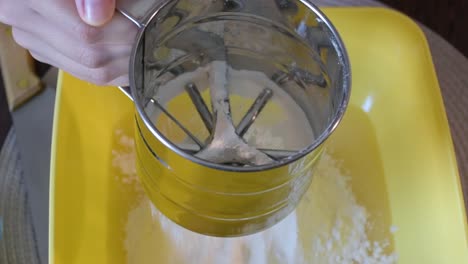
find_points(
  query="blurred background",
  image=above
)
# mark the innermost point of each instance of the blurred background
(448, 18)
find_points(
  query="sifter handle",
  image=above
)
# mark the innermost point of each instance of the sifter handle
(138, 11)
(127, 91)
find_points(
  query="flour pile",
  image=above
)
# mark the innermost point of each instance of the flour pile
(328, 226)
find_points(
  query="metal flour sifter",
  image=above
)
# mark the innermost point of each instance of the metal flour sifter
(234, 101)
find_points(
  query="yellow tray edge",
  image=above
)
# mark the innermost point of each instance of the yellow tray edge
(52, 168)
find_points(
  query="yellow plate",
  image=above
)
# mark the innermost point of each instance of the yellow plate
(405, 172)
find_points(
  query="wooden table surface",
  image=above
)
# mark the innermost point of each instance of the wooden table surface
(452, 71)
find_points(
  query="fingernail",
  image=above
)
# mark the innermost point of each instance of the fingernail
(97, 12)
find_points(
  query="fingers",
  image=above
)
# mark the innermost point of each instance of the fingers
(90, 55)
(113, 73)
(96, 12)
(64, 14)
(55, 33)
(11, 14)
(118, 30)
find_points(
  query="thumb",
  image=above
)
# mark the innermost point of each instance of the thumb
(96, 12)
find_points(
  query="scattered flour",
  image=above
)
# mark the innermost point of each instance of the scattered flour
(393, 229)
(124, 158)
(328, 226)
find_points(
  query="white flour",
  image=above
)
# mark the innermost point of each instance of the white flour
(282, 115)
(328, 226)
(124, 158)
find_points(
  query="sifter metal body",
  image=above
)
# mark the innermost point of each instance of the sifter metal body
(302, 63)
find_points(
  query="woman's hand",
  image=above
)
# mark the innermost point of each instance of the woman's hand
(96, 12)
(87, 38)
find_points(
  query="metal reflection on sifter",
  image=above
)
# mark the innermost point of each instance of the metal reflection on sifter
(234, 102)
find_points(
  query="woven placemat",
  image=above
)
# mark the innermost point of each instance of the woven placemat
(452, 71)
(17, 242)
